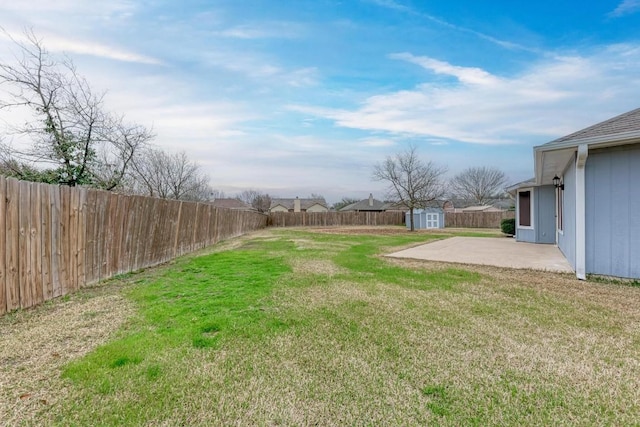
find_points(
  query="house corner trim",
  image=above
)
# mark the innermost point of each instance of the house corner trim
(581, 250)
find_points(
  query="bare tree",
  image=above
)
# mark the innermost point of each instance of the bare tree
(117, 152)
(216, 194)
(71, 134)
(319, 197)
(345, 201)
(258, 200)
(479, 184)
(168, 176)
(411, 181)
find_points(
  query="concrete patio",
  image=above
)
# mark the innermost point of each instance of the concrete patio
(500, 252)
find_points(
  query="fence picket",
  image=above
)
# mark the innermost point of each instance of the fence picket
(3, 237)
(45, 240)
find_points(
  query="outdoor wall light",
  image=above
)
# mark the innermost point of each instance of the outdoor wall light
(556, 183)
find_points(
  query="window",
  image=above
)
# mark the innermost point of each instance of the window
(524, 208)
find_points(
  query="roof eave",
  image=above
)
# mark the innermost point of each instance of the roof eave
(621, 138)
(603, 141)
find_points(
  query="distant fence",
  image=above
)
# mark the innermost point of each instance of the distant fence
(476, 219)
(56, 239)
(326, 219)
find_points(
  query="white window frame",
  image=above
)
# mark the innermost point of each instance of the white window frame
(531, 209)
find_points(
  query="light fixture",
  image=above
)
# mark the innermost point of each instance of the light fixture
(556, 183)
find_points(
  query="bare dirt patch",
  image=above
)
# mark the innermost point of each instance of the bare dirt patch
(35, 344)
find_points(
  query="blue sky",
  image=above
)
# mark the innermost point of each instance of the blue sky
(302, 96)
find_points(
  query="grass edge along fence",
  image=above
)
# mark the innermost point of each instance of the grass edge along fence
(57, 239)
(329, 219)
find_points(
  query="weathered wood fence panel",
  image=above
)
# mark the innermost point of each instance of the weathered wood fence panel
(55, 239)
(476, 219)
(327, 219)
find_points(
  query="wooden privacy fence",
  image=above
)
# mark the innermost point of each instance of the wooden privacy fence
(56, 239)
(476, 219)
(324, 219)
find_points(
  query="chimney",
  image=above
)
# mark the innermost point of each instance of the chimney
(296, 205)
(371, 199)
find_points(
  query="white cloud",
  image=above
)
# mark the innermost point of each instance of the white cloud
(56, 43)
(61, 44)
(392, 4)
(107, 8)
(377, 142)
(258, 67)
(263, 30)
(627, 7)
(469, 75)
(556, 96)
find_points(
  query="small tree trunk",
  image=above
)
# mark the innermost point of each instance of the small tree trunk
(411, 219)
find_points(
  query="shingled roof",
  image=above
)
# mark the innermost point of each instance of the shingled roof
(369, 204)
(624, 123)
(551, 158)
(304, 203)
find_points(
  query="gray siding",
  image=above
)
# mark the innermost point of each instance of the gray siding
(526, 234)
(613, 212)
(545, 214)
(543, 221)
(567, 238)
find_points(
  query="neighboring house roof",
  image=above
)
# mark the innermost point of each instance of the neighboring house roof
(483, 208)
(527, 183)
(460, 205)
(231, 204)
(369, 204)
(399, 206)
(551, 158)
(304, 203)
(433, 209)
(395, 206)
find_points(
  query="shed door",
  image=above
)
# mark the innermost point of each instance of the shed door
(432, 220)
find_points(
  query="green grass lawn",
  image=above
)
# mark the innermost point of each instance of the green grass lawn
(300, 328)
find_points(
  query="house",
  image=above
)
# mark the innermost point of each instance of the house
(298, 205)
(480, 208)
(366, 205)
(585, 198)
(431, 217)
(396, 207)
(491, 205)
(233, 204)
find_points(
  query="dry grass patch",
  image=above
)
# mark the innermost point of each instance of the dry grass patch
(314, 329)
(35, 344)
(315, 266)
